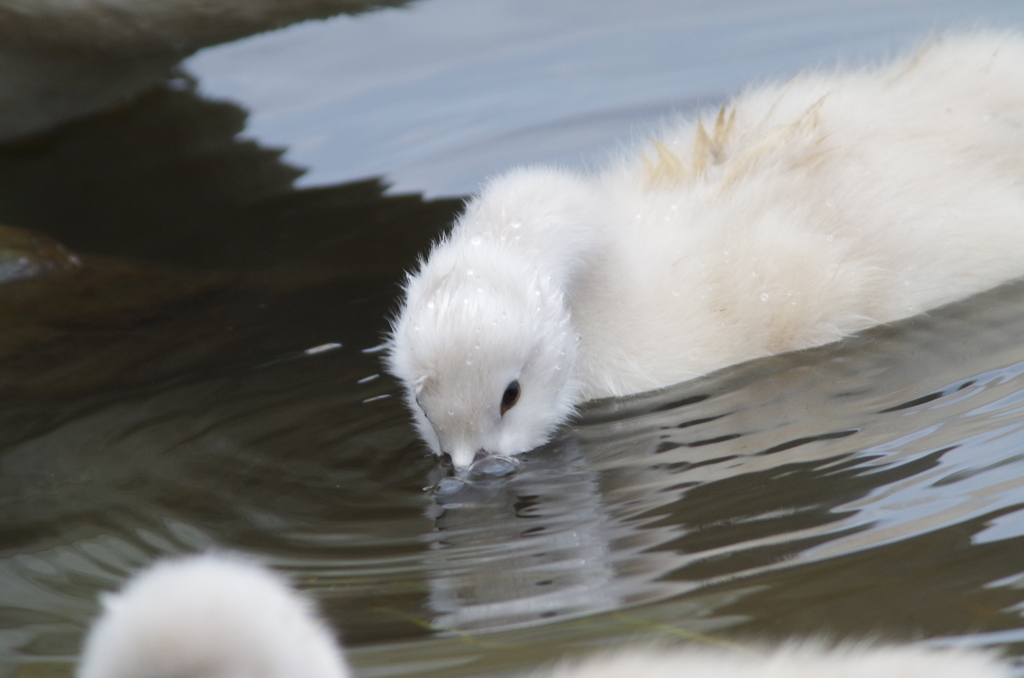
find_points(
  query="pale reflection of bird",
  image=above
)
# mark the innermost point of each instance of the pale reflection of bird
(216, 616)
(795, 215)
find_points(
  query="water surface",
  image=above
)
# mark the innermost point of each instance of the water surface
(209, 377)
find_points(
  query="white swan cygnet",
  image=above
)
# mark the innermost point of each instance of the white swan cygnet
(794, 660)
(209, 616)
(216, 616)
(795, 215)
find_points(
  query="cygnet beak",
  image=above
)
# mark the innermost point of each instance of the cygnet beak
(481, 464)
(463, 459)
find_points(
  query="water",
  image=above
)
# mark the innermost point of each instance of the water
(451, 91)
(209, 377)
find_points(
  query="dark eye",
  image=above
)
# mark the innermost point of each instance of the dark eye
(510, 397)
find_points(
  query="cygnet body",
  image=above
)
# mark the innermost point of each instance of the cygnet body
(795, 215)
(793, 660)
(215, 616)
(209, 616)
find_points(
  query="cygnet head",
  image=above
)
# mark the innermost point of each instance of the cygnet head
(486, 351)
(209, 616)
(484, 344)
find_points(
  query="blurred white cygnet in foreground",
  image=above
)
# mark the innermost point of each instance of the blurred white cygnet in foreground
(216, 616)
(209, 616)
(796, 215)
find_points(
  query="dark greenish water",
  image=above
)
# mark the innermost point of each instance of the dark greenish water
(163, 396)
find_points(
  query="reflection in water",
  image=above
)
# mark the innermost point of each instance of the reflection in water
(24, 255)
(164, 399)
(168, 180)
(552, 82)
(556, 550)
(824, 460)
(61, 60)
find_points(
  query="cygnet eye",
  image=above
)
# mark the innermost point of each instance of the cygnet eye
(510, 397)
